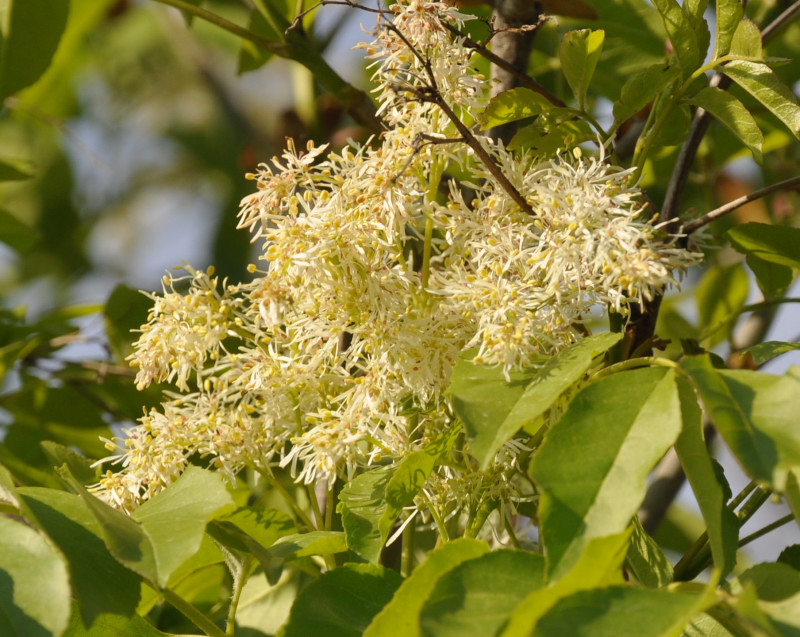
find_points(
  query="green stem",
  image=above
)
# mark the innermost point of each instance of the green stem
(239, 580)
(438, 521)
(407, 555)
(633, 363)
(510, 529)
(199, 619)
(315, 508)
(740, 497)
(770, 527)
(753, 504)
(275, 483)
(330, 507)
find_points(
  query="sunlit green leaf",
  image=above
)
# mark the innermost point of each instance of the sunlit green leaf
(642, 88)
(579, 53)
(729, 15)
(681, 34)
(776, 244)
(401, 615)
(557, 130)
(762, 83)
(763, 352)
(35, 593)
(721, 523)
(476, 597)
(513, 105)
(746, 40)
(29, 34)
(729, 111)
(645, 559)
(342, 602)
(593, 464)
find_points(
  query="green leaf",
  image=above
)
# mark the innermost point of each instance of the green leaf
(100, 584)
(15, 169)
(721, 523)
(126, 310)
(593, 463)
(556, 131)
(756, 415)
(251, 56)
(29, 34)
(34, 586)
(579, 53)
(762, 83)
(773, 278)
(623, 611)
(15, 234)
(112, 626)
(264, 526)
(401, 615)
(493, 410)
(476, 597)
(645, 559)
(79, 465)
(312, 543)
(729, 15)
(641, 88)
(778, 589)
(746, 40)
(341, 602)
(763, 352)
(165, 531)
(681, 34)
(775, 244)
(721, 294)
(732, 113)
(513, 105)
(600, 564)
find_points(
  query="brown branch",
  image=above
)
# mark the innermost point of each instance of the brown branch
(696, 224)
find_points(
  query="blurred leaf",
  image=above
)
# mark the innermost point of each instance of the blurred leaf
(311, 543)
(341, 602)
(746, 40)
(251, 56)
(641, 88)
(773, 279)
(15, 169)
(34, 595)
(579, 53)
(721, 523)
(763, 352)
(756, 415)
(645, 559)
(29, 34)
(79, 466)
(401, 615)
(729, 16)
(732, 113)
(600, 564)
(476, 597)
(681, 34)
(513, 105)
(762, 83)
(593, 463)
(493, 410)
(126, 310)
(100, 584)
(775, 244)
(15, 234)
(721, 294)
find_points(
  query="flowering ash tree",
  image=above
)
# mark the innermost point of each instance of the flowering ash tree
(422, 359)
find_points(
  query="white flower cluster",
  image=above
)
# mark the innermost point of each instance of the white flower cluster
(380, 269)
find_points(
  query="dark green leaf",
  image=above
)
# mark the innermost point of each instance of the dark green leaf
(645, 559)
(729, 15)
(264, 526)
(15, 234)
(558, 130)
(732, 113)
(593, 463)
(746, 40)
(579, 53)
(363, 503)
(756, 415)
(100, 584)
(790, 556)
(79, 466)
(513, 105)
(642, 88)
(721, 523)
(126, 310)
(311, 543)
(476, 597)
(773, 278)
(29, 34)
(762, 83)
(401, 615)
(622, 611)
(251, 56)
(34, 586)
(600, 564)
(15, 169)
(763, 352)
(342, 602)
(681, 34)
(112, 626)
(776, 244)
(493, 410)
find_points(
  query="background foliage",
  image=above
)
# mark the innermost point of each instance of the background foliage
(125, 138)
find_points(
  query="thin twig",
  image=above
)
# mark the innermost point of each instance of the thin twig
(696, 224)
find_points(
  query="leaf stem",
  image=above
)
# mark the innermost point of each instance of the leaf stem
(199, 619)
(407, 554)
(239, 580)
(767, 529)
